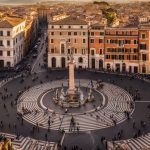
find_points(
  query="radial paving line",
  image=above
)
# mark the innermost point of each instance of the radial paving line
(90, 120)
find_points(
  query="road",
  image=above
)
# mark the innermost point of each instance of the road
(37, 65)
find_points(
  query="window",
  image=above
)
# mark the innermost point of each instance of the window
(62, 48)
(135, 50)
(60, 33)
(69, 33)
(92, 40)
(8, 63)
(8, 43)
(92, 52)
(114, 57)
(144, 57)
(128, 57)
(84, 41)
(107, 41)
(84, 33)
(52, 50)
(8, 53)
(127, 41)
(92, 33)
(60, 27)
(81, 27)
(113, 41)
(101, 33)
(135, 42)
(100, 40)
(107, 56)
(52, 33)
(69, 27)
(120, 50)
(108, 49)
(120, 42)
(1, 33)
(114, 50)
(1, 53)
(121, 57)
(52, 40)
(135, 57)
(1, 43)
(143, 36)
(52, 27)
(75, 50)
(8, 33)
(68, 51)
(127, 50)
(143, 46)
(101, 51)
(69, 40)
(75, 33)
(75, 40)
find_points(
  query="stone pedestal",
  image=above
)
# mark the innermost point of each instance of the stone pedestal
(71, 90)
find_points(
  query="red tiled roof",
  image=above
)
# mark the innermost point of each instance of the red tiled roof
(69, 21)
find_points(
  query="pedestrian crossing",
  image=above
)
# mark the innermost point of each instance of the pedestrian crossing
(140, 143)
(118, 102)
(27, 143)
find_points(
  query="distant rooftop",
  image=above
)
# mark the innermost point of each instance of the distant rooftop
(97, 26)
(69, 21)
(10, 22)
(142, 26)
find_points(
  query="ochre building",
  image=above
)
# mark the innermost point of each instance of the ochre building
(121, 49)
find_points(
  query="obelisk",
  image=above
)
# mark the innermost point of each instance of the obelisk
(71, 90)
(71, 78)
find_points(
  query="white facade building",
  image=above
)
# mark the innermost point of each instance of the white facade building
(11, 41)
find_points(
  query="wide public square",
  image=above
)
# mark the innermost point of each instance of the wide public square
(75, 76)
(120, 110)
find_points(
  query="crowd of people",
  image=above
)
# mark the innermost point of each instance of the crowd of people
(138, 131)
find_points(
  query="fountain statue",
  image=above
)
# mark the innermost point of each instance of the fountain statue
(72, 96)
(90, 95)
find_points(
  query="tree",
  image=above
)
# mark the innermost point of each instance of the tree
(110, 15)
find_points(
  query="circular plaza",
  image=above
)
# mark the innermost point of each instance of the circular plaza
(111, 105)
(28, 101)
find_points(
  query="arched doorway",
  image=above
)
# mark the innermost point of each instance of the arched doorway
(143, 69)
(135, 69)
(63, 62)
(80, 60)
(100, 64)
(53, 62)
(123, 67)
(117, 67)
(130, 69)
(108, 66)
(93, 63)
(1, 63)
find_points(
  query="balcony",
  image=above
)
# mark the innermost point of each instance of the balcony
(108, 34)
